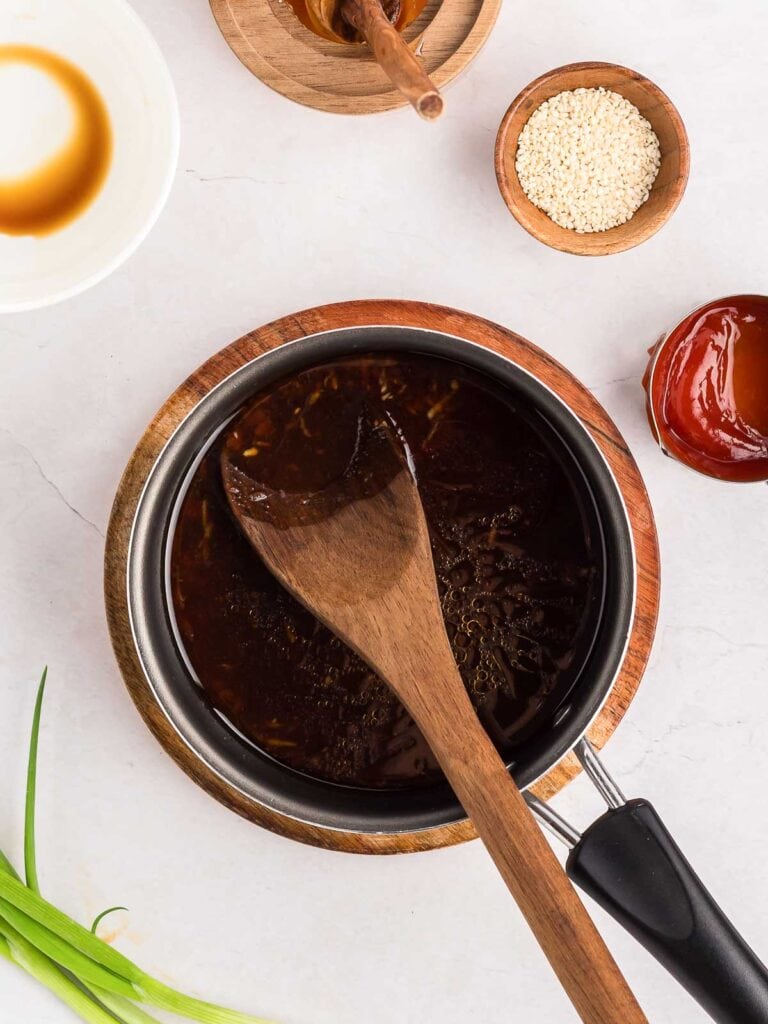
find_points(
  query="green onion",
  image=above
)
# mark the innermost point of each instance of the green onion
(100, 917)
(79, 938)
(5, 865)
(166, 998)
(95, 980)
(45, 971)
(30, 866)
(123, 1008)
(67, 956)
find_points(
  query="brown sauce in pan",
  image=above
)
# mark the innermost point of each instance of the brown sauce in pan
(516, 567)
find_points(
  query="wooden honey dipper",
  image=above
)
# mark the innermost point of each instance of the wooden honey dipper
(377, 26)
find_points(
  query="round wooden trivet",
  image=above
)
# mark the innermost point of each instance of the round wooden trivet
(353, 314)
(273, 44)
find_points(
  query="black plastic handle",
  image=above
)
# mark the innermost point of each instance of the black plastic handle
(629, 863)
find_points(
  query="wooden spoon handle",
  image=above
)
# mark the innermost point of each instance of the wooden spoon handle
(534, 876)
(394, 56)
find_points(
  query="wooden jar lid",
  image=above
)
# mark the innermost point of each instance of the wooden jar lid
(272, 43)
(355, 314)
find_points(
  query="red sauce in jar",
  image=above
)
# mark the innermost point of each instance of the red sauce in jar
(707, 389)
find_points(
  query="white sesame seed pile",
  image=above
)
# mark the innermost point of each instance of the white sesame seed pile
(588, 159)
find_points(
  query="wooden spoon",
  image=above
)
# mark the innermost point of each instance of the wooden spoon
(357, 554)
(397, 60)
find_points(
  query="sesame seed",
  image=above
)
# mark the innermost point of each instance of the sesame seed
(588, 159)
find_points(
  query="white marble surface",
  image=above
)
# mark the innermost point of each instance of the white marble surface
(276, 208)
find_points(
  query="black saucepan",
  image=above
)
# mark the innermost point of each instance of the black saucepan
(626, 860)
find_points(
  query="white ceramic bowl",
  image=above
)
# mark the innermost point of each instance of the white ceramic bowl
(107, 40)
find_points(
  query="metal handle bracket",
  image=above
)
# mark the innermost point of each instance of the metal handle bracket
(596, 771)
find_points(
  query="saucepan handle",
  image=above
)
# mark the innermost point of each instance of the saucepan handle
(629, 863)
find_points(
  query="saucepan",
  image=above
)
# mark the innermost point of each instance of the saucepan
(626, 860)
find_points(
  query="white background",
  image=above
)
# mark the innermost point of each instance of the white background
(276, 208)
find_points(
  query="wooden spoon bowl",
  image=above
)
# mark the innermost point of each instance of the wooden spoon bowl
(667, 190)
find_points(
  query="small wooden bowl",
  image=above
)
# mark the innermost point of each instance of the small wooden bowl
(667, 190)
(273, 44)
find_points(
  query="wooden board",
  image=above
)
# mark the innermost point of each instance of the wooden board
(278, 49)
(351, 314)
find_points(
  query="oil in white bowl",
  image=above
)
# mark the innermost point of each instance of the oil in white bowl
(62, 141)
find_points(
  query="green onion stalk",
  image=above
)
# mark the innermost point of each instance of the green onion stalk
(99, 983)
